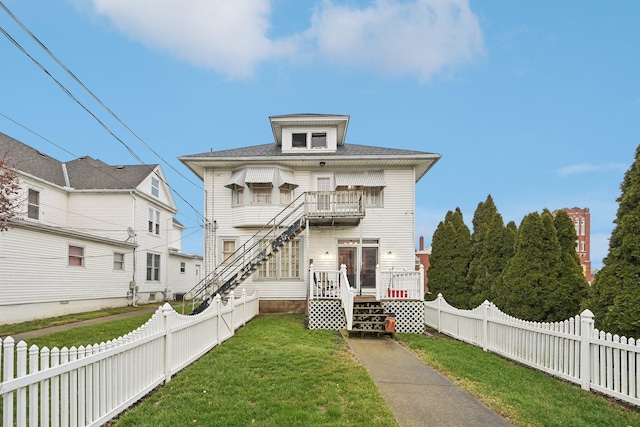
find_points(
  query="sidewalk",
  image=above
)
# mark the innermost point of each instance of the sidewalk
(26, 336)
(417, 394)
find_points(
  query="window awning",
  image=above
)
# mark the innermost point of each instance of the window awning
(287, 177)
(361, 179)
(236, 179)
(259, 175)
(276, 177)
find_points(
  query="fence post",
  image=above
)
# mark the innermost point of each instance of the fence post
(244, 306)
(378, 282)
(485, 324)
(311, 276)
(218, 302)
(586, 331)
(232, 303)
(167, 325)
(7, 409)
(421, 290)
(440, 298)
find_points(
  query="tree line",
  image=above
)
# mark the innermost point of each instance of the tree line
(532, 271)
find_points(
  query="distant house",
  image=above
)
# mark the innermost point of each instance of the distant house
(89, 236)
(285, 216)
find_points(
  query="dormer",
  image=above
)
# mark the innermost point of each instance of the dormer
(309, 133)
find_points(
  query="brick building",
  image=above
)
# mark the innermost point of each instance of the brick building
(582, 222)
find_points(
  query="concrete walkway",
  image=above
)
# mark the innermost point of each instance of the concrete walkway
(26, 336)
(416, 393)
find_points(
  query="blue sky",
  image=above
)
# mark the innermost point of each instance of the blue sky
(536, 103)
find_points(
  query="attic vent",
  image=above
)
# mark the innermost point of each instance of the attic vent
(119, 167)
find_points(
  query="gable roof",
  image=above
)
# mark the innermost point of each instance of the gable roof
(84, 173)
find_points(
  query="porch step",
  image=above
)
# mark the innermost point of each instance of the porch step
(368, 318)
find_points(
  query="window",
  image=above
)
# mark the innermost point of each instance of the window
(183, 267)
(324, 198)
(299, 140)
(261, 193)
(153, 267)
(318, 140)
(284, 265)
(228, 250)
(155, 187)
(154, 221)
(373, 196)
(76, 256)
(285, 194)
(118, 261)
(33, 209)
(238, 196)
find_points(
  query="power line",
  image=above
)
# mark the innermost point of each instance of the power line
(68, 93)
(64, 67)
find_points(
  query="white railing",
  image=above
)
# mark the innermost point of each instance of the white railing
(88, 386)
(334, 204)
(347, 295)
(324, 283)
(399, 284)
(572, 349)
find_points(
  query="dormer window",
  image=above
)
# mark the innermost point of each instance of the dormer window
(298, 139)
(319, 140)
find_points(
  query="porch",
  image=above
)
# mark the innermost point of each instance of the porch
(333, 303)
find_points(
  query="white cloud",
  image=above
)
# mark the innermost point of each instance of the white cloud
(418, 38)
(587, 167)
(228, 36)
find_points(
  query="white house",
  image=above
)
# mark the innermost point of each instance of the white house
(337, 203)
(89, 236)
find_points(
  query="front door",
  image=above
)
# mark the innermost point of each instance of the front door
(368, 273)
(348, 255)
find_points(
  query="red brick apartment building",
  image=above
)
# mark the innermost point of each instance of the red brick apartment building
(582, 222)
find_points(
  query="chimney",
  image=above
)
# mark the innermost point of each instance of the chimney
(421, 243)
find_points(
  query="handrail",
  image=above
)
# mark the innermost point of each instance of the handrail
(221, 274)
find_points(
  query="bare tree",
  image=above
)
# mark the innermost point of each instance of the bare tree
(9, 189)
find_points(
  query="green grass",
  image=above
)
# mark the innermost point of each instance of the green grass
(275, 372)
(525, 396)
(272, 373)
(17, 328)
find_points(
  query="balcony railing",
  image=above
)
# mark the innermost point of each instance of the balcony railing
(334, 206)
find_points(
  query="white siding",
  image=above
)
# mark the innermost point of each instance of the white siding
(179, 282)
(392, 225)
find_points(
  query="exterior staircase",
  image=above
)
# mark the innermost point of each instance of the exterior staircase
(368, 318)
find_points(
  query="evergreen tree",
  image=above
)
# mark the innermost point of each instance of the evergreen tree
(497, 250)
(526, 282)
(482, 218)
(451, 251)
(614, 297)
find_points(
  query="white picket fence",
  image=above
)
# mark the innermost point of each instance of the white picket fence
(572, 349)
(87, 386)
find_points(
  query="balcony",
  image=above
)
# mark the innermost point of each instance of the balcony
(331, 208)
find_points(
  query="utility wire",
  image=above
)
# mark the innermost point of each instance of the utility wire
(66, 91)
(64, 67)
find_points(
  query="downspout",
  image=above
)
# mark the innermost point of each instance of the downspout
(133, 222)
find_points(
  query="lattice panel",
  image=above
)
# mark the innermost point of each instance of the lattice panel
(326, 314)
(409, 315)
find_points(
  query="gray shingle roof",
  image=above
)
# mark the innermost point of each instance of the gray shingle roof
(274, 150)
(84, 173)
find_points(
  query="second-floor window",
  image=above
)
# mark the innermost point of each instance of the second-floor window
(76, 256)
(183, 267)
(155, 187)
(33, 209)
(118, 261)
(154, 221)
(261, 193)
(153, 267)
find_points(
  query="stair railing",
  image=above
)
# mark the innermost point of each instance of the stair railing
(255, 250)
(347, 295)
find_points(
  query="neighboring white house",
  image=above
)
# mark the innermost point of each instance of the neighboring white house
(357, 205)
(89, 236)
